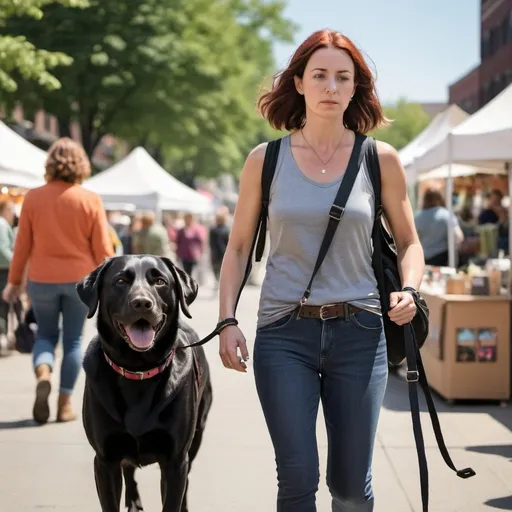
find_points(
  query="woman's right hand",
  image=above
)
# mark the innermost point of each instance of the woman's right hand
(11, 292)
(232, 339)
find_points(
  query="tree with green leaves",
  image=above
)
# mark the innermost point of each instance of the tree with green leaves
(408, 120)
(179, 75)
(19, 54)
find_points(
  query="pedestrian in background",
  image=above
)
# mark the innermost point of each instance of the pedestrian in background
(7, 216)
(219, 236)
(432, 224)
(190, 243)
(63, 235)
(151, 238)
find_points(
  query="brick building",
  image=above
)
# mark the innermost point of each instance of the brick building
(494, 73)
(43, 129)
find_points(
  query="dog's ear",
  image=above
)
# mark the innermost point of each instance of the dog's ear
(186, 286)
(89, 287)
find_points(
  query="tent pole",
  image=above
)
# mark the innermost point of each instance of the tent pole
(508, 168)
(449, 205)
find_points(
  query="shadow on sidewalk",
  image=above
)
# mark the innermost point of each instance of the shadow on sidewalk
(500, 503)
(397, 399)
(505, 450)
(8, 425)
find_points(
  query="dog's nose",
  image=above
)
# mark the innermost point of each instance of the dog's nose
(141, 304)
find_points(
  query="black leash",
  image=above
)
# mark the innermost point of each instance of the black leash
(258, 242)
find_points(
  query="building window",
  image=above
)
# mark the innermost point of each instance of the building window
(504, 31)
(485, 93)
(467, 105)
(484, 46)
(497, 85)
(508, 77)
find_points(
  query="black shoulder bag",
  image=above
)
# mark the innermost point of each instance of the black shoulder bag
(404, 341)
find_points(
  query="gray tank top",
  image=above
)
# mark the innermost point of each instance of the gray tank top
(298, 216)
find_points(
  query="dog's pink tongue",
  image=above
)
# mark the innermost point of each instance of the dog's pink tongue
(141, 338)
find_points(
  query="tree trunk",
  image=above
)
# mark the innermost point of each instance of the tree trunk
(87, 137)
(159, 157)
(64, 122)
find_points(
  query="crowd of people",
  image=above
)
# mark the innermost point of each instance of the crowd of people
(434, 218)
(63, 233)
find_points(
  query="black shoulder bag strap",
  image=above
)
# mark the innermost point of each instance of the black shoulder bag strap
(415, 369)
(260, 233)
(338, 208)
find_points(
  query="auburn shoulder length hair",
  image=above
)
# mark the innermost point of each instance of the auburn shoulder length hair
(284, 107)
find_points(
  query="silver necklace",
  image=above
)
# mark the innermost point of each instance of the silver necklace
(324, 170)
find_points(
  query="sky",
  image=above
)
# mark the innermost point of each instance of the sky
(417, 47)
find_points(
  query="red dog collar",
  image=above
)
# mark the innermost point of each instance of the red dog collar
(147, 374)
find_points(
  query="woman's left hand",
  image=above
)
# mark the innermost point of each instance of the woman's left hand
(402, 307)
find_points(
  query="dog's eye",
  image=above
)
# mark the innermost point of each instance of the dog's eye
(160, 282)
(120, 281)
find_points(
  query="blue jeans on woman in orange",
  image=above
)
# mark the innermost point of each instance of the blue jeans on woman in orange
(343, 363)
(51, 301)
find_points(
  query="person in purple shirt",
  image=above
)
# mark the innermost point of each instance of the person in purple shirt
(190, 242)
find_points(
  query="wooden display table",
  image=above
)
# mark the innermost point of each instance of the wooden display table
(467, 353)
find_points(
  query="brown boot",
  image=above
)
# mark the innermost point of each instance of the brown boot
(65, 409)
(41, 410)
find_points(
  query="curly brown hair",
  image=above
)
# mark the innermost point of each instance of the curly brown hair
(67, 161)
(284, 107)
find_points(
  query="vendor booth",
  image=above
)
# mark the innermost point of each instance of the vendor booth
(467, 354)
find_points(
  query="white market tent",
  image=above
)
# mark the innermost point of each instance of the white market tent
(139, 180)
(431, 135)
(484, 139)
(21, 163)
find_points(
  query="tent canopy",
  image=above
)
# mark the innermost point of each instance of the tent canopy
(483, 139)
(457, 170)
(433, 133)
(140, 180)
(21, 163)
(430, 136)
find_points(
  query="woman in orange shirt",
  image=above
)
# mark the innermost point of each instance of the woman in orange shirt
(63, 235)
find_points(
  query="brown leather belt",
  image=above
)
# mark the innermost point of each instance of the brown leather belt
(328, 311)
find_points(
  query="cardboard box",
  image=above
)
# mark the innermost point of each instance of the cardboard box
(467, 353)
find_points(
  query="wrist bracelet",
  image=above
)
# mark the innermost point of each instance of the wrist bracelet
(225, 323)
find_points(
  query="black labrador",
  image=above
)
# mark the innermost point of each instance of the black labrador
(146, 397)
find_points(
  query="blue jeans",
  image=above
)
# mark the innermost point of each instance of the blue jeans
(49, 302)
(343, 362)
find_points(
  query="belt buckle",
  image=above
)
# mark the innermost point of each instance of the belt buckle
(322, 316)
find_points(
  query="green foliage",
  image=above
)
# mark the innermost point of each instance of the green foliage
(17, 53)
(409, 119)
(178, 75)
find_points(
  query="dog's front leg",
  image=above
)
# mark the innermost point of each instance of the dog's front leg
(108, 484)
(173, 483)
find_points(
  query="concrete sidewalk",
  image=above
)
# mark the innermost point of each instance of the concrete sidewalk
(50, 468)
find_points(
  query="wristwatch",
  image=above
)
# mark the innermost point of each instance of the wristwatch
(413, 292)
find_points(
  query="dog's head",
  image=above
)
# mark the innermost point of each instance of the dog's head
(138, 297)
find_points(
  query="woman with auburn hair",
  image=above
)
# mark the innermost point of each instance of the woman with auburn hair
(63, 235)
(325, 97)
